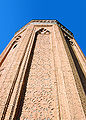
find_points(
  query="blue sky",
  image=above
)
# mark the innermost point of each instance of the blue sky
(16, 13)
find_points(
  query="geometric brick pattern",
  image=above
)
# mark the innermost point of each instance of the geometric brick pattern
(39, 76)
(41, 93)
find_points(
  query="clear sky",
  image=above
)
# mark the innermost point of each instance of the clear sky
(14, 14)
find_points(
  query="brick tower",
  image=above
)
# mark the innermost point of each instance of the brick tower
(43, 74)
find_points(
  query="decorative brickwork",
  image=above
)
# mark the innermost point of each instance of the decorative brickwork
(43, 74)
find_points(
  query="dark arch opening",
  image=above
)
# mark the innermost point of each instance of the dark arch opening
(14, 46)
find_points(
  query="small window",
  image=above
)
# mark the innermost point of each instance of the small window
(14, 46)
(18, 37)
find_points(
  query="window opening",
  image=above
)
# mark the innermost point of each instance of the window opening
(14, 46)
(18, 37)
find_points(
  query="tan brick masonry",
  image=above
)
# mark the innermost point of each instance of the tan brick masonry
(36, 78)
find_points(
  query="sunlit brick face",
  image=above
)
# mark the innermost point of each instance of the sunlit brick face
(42, 74)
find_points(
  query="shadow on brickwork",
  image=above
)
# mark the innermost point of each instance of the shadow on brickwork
(77, 65)
(24, 86)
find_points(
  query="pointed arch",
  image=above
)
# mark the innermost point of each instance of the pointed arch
(43, 31)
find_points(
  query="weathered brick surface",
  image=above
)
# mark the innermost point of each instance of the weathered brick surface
(40, 84)
(80, 56)
(41, 94)
(11, 65)
(74, 103)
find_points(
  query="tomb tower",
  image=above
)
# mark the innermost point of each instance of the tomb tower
(43, 74)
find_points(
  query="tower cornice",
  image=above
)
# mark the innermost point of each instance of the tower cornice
(38, 22)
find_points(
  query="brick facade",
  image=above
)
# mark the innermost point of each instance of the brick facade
(43, 74)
